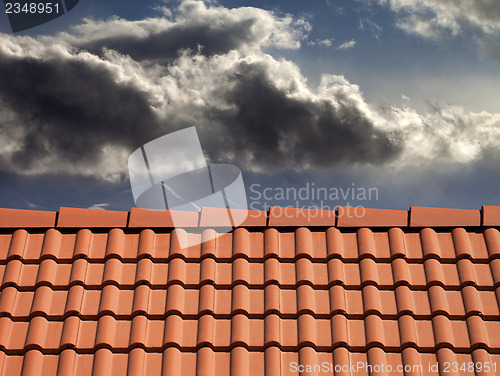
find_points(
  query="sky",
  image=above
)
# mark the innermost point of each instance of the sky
(396, 98)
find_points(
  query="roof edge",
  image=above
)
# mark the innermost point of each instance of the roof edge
(343, 217)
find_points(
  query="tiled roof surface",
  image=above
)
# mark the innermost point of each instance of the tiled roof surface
(88, 292)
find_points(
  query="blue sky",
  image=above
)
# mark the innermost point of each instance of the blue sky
(397, 95)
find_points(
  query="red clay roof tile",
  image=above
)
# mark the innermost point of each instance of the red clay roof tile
(437, 217)
(15, 218)
(132, 301)
(490, 215)
(217, 217)
(75, 217)
(363, 217)
(149, 218)
(279, 217)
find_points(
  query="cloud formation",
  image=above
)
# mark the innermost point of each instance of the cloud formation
(193, 25)
(78, 103)
(347, 45)
(434, 18)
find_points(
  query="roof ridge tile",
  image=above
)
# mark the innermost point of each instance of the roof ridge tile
(91, 218)
(349, 216)
(276, 216)
(21, 218)
(297, 217)
(147, 218)
(490, 215)
(443, 217)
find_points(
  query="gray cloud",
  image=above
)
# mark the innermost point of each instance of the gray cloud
(192, 25)
(269, 128)
(70, 110)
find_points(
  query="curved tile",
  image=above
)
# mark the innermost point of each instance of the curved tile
(366, 243)
(304, 243)
(241, 243)
(397, 244)
(430, 243)
(17, 244)
(51, 244)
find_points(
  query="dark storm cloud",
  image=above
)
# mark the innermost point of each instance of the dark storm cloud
(71, 109)
(193, 26)
(164, 45)
(83, 113)
(277, 131)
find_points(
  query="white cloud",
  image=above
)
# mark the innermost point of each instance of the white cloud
(321, 42)
(434, 18)
(347, 45)
(246, 29)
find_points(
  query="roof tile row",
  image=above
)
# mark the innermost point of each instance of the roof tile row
(158, 303)
(332, 243)
(255, 274)
(240, 361)
(240, 330)
(277, 216)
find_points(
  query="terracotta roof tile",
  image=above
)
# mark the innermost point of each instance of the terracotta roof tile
(148, 218)
(362, 217)
(490, 215)
(279, 216)
(217, 217)
(129, 300)
(15, 218)
(437, 217)
(75, 217)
